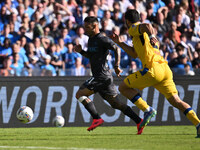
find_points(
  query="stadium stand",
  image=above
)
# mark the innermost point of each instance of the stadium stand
(34, 31)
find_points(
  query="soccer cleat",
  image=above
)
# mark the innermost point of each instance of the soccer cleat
(140, 130)
(147, 117)
(95, 123)
(198, 131)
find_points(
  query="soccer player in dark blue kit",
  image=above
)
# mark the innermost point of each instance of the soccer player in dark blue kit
(102, 80)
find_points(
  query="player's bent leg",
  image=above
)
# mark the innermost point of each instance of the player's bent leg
(127, 91)
(187, 110)
(136, 98)
(178, 103)
(82, 96)
(115, 103)
(83, 92)
(133, 96)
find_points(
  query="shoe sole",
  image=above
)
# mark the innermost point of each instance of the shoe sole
(146, 121)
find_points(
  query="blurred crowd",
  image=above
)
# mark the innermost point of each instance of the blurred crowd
(37, 36)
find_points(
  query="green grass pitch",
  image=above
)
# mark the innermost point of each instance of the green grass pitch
(102, 138)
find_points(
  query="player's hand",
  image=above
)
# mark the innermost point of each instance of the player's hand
(78, 48)
(115, 38)
(153, 41)
(118, 71)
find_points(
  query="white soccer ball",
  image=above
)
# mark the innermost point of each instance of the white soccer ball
(58, 121)
(24, 114)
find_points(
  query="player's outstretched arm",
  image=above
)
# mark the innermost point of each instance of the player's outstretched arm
(128, 49)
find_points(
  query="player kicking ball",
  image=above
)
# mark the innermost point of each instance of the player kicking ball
(155, 72)
(102, 80)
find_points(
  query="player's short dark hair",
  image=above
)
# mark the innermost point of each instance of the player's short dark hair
(91, 19)
(132, 15)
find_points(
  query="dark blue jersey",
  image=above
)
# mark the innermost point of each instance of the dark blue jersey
(98, 50)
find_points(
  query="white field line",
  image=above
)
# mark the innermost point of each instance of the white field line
(57, 148)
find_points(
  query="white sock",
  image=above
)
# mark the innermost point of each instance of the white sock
(148, 109)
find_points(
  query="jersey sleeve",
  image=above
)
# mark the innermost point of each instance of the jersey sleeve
(134, 30)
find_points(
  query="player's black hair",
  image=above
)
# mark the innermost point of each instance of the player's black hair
(132, 15)
(91, 19)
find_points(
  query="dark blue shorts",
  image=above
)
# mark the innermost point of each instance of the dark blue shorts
(102, 86)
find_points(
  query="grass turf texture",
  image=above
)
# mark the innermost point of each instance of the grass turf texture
(102, 138)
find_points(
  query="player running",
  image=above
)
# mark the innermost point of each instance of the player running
(155, 72)
(102, 80)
